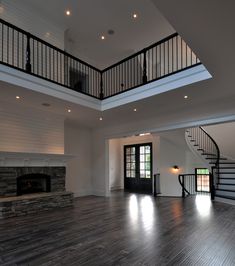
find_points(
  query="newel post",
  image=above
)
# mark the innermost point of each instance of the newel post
(212, 186)
(183, 192)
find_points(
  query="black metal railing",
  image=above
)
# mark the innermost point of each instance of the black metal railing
(28, 53)
(208, 147)
(159, 60)
(190, 185)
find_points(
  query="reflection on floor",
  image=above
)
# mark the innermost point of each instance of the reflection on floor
(125, 229)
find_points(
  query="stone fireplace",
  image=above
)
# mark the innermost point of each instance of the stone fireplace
(32, 182)
(16, 181)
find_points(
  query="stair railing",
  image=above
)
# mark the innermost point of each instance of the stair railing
(191, 185)
(187, 182)
(207, 145)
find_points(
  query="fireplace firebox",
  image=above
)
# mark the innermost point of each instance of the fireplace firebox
(33, 183)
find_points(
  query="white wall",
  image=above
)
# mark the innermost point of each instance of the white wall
(169, 149)
(30, 20)
(30, 130)
(77, 142)
(100, 164)
(115, 182)
(224, 134)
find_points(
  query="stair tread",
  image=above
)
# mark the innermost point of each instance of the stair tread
(228, 163)
(225, 163)
(225, 197)
(227, 178)
(228, 167)
(226, 173)
(210, 154)
(222, 189)
(208, 158)
(225, 184)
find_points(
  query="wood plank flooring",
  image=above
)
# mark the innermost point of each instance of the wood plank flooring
(125, 229)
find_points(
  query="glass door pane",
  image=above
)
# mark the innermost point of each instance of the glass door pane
(130, 161)
(145, 161)
(203, 180)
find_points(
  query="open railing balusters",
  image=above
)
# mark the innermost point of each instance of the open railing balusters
(189, 185)
(159, 60)
(22, 50)
(209, 148)
(26, 52)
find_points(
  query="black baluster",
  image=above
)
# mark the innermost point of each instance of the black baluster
(101, 86)
(144, 69)
(28, 59)
(183, 192)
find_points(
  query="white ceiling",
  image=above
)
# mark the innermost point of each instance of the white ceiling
(209, 35)
(92, 18)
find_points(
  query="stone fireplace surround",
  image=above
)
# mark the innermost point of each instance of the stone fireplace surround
(9, 175)
(15, 165)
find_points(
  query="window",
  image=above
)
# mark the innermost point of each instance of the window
(202, 180)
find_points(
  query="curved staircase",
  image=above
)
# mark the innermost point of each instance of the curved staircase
(221, 168)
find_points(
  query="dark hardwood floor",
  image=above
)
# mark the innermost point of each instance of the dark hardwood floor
(125, 229)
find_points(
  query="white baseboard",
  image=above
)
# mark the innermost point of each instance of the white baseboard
(223, 200)
(116, 188)
(97, 192)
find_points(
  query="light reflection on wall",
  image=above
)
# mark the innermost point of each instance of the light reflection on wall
(203, 204)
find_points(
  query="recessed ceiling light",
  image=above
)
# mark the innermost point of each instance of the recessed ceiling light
(135, 110)
(135, 15)
(102, 37)
(69, 110)
(48, 34)
(185, 96)
(101, 118)
(68, 13)
(17, 97)
(111, 32)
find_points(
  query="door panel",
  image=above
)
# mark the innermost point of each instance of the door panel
(138, 167)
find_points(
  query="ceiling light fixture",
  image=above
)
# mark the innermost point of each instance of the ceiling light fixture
(69, 110)
(135, 110)
(135, 15)
(102, 37)
(101, 118)
(68, 13)
(17, 97)
(185, 96)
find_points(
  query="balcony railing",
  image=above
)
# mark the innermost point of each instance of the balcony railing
(22, 50)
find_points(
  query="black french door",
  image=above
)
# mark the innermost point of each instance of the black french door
(138, 167)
